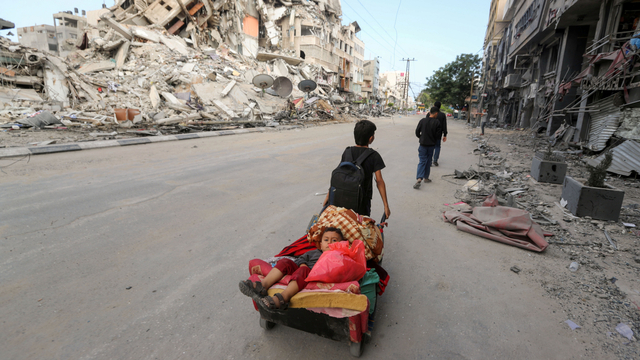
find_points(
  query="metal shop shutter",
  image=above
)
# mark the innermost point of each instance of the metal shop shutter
(604, 122)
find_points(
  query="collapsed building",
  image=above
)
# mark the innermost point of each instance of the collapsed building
(185, 64)
(566, 68)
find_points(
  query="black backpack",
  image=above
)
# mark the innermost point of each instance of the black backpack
(347, 180)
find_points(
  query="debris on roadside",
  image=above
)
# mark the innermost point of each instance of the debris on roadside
(186, 69)
(590, 268)
(503, 224)
(572, 325)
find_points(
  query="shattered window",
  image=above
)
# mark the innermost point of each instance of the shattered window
(308, 31)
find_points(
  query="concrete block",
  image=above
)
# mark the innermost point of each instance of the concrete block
(121, 55)
(598, 203)
(224, 108)
(97, 66)
(227, 89)
(116, 26)
(548, 171)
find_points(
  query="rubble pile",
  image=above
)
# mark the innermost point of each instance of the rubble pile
(171, 66)
(591, 267)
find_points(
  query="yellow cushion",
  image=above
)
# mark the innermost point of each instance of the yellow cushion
(326, 300)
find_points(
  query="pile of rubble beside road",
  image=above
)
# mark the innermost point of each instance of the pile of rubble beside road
(591, 267)
(142, 74)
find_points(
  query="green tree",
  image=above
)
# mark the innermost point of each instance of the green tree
(451, 84)
(429, 100)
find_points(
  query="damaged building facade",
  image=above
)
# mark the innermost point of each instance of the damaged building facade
(192, 63)
(565, 68)
(306, 30)
(60, 38)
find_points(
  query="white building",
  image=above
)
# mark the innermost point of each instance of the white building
(394, 82)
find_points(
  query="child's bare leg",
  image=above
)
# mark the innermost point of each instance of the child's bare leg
(291, 290)
(272, 277)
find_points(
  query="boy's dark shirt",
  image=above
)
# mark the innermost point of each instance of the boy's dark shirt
(429, 131)
(442, 117)
(372, 164)
(309, 258)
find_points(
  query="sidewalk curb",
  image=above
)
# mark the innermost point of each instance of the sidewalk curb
(50, 149)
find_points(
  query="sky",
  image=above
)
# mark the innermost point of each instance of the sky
(433, 32)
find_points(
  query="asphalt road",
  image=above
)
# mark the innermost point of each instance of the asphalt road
(136, 253)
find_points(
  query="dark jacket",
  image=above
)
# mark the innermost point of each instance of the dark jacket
(309, 258)
(429, 131)
(443, 122)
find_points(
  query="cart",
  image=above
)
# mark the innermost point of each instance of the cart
(353, 329)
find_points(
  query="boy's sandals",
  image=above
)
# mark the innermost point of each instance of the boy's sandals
(270, 304)
(254, 290)
(417, 185)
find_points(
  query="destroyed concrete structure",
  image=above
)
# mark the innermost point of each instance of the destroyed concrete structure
(60, 39)
(186, 65)
(565, 68)
(392, 87)
(371, 83)
(4, 24)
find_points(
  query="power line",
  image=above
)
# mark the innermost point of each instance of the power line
(381, 26)
(394, 27)
(372, 28)
(376, 54)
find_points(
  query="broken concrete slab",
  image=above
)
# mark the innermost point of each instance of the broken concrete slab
(56, 85)
(263, 56)
(154, 96)
(97, 66)
(207, 92)
(175, 44)
(228, 88)
(239, 96)
(179, 119)
(121, 55)
(171, 99)
(188, 67)
(224, 108)
(103, 134)
(107, 18)
(280, 68)
(9, 95)
(145, 34)
(112, 45)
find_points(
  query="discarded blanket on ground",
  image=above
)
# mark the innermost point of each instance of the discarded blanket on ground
(499, 223)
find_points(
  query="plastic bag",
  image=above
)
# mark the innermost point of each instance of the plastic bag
(340, 264)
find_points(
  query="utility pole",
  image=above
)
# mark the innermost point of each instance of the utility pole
(470, 100)
(405, 92)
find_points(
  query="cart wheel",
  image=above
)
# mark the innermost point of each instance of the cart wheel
(355, 349)
(267, 325)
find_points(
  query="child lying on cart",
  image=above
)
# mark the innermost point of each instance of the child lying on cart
(298, 269)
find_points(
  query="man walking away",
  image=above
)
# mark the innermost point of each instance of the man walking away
(442, 117)
(429, 131)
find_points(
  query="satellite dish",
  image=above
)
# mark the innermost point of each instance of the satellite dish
(262, 81)
(307, 86)
(283, 86)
